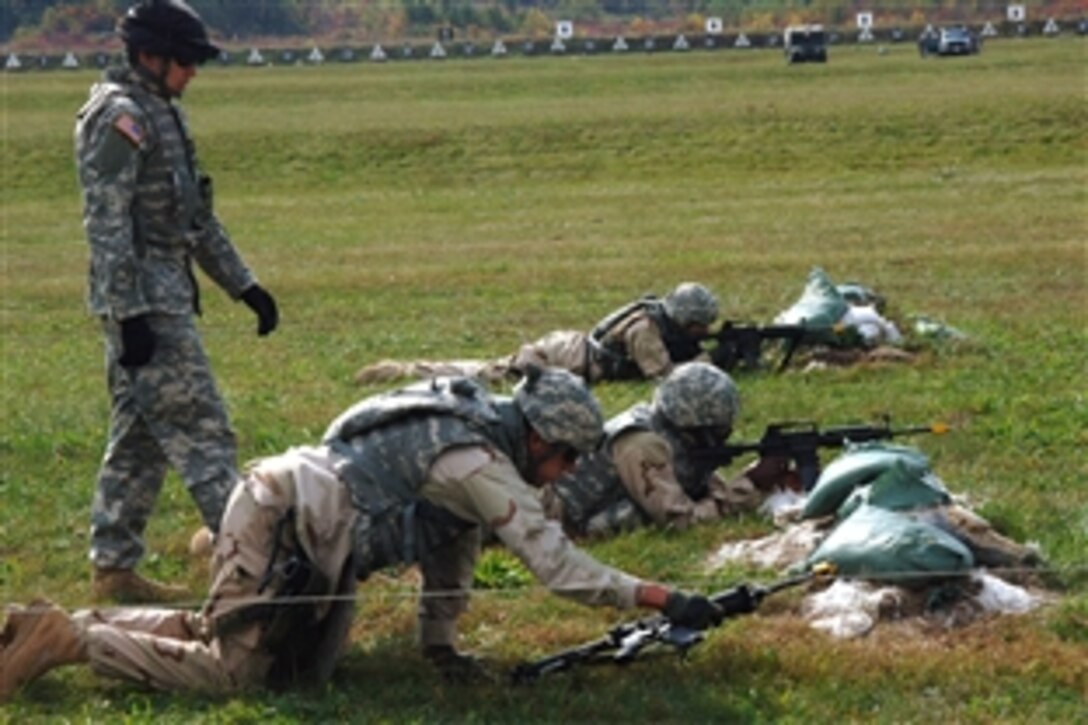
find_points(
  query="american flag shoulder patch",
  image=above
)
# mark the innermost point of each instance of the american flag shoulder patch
(130, 128)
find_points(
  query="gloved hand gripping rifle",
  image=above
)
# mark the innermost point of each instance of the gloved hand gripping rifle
(624, 642)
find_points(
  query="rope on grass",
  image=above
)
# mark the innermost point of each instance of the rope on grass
(416, 594)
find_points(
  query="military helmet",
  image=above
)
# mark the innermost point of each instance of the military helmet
(698, 395)
(691, 304)
(167, 28)
(560, 407)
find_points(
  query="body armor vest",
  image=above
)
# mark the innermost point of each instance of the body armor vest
(608, 349)
(384, 447)
(593, 496)
(173, 198)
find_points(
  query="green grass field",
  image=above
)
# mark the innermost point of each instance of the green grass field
(456, 209)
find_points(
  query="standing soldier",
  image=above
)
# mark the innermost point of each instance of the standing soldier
(642, 473)
(147, 211)
(416, 475)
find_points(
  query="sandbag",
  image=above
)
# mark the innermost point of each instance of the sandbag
(899, 488)
(930, 329)
(859, 464)
(871, 327)
(858, 294)
(819, 307)
(892, 546)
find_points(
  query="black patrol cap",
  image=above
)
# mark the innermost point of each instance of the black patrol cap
(167, 28)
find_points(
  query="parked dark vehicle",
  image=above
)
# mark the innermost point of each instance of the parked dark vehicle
(957, 41)
(953, 40)
(805, 44)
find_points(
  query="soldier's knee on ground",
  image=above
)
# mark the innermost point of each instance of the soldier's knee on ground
(202, 543)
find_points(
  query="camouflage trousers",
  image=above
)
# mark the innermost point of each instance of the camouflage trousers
(564, 349)
(170, 649)
(166, 413)
(179, 650)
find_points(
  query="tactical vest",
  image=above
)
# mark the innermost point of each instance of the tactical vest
(384, 447)
(593, 496)
(594, 486)
(173, 198)
(607, 349)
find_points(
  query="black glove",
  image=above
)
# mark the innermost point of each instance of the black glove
(137, 342)
(456, 667)
(693, 611)
(258, 300)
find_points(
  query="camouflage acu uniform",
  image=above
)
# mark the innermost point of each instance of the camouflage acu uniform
(433, 465)
(236, 640)
(640, 476)
(636, 341)
(147, 215)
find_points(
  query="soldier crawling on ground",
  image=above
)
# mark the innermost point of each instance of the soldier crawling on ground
(644, 339)
(416, 475)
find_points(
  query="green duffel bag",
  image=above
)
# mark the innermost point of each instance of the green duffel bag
(892, 547)
(899, 488)
(819, 308)
(858, 465)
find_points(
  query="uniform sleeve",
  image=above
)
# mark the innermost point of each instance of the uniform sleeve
(494, 495)
(217, 256)
(213, 249)
(647, 349)
(644, 463)
(109, 158)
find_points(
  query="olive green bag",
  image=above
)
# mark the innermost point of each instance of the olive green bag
(820, 306)
(899, 488)
(892, 546)
(859, 464)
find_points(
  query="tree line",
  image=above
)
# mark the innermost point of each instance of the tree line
(87, 22)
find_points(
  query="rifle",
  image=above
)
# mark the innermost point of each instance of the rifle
(801, 441)
(624, 642)
(741, 343)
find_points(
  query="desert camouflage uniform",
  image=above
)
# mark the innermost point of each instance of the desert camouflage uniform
(640, 476)
(410, 476)
(565, 349)
(638, 340)
(430, 468)
(216, 650)
(148, 214)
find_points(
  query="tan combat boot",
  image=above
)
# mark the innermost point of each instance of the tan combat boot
(35, 639)
(202, 543)
(125, 586)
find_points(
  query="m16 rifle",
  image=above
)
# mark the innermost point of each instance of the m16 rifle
(801, 441)
(740, 344)
(626, 641)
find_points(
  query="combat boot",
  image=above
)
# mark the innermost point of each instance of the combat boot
(202, 543)
(125, 586)
(35, 639)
